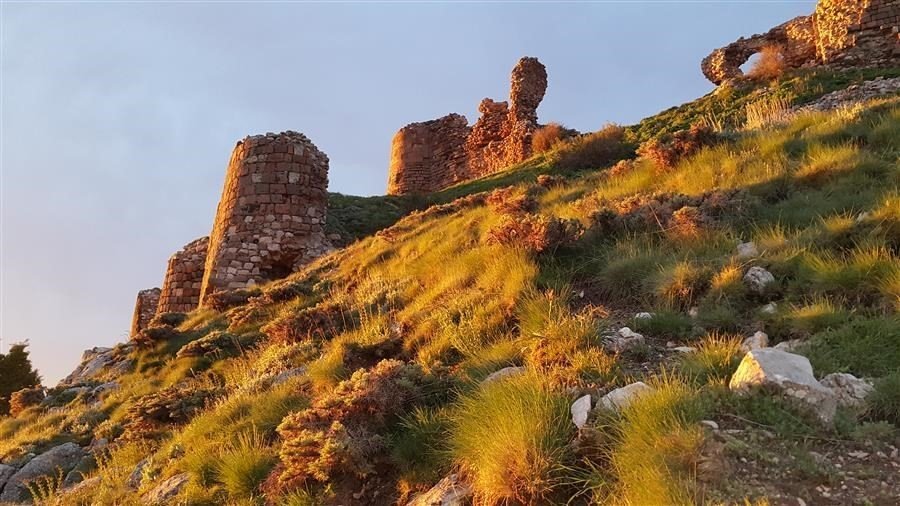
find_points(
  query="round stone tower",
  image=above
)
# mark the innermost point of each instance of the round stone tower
(271, 217)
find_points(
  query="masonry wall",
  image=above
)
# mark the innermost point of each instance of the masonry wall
(184, 278)
(432, 155)
(841, 33)
(144, 309)
(271, 216)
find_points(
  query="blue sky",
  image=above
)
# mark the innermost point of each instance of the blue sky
(118, 119)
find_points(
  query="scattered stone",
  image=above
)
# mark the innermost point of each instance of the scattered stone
(858, 455)
(451, 491)
(747, 250)
(65, 457)
(757, 341)
(166, 490)
(620, 398)
(854, 95)
(709, 423)
(770, 308)
(625, 339)
(137, 475)
(788, 374)
(580, 410)
(757, 279)
(105, 387)
(694, 312)
(684, 349)
(503, 373)
(643, 316)
(849, 390)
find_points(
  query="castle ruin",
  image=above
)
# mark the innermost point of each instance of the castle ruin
(432, 155)
(145, 308)
(184, 275)
(841, 33)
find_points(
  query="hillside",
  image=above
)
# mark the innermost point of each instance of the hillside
(481, 336)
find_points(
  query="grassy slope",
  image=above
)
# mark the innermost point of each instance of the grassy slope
(435, 291)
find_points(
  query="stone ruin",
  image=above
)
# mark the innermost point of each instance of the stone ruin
(841, 33)
(184, 275)
(432, 155)
(144, 309)
(270, 221)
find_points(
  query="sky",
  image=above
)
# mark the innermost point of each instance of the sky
(117, 119)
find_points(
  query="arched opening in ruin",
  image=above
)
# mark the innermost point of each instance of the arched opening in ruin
(750, 63)
(277, 268)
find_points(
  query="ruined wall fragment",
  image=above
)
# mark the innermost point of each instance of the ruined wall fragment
(184, 277)
(144, 309)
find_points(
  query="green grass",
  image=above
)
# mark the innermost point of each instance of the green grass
(243, 465)
(716, 358)
(864, 347)
(511, 437)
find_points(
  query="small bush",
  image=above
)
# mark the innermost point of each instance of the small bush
(884, 402)
(547, 137)
(668, 150)
(863, 347)
(23, 399)
(680, 284)
(715, 359)
(319, 322)
(511, 200)
(512, 438)
(770, 64)
(244, 465)
(592, 151)
(535, 233)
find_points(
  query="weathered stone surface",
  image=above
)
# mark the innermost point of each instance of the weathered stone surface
(65, 457)
(848, 389)
(271, 217)
(580, 410)
(789, 346)
(167, 490)
(451, 491)
(855, 94)
(757, 341)
(506, 372)
(144, 309)
(95, 362)
(757, 279)
(787, 374)
(137, 474)
(184, 277)
(747, 250)
(6, 472)
(624, 340)
(429, 156)
(620, 398)
(841, 33)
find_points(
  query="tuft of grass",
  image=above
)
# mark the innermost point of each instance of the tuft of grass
(658, 442)
(884, 402)
(245, 464)
(770, 65)
(716, 358)
(679, 285)
(818, 314)
(512, 438)
(419, 448)
(767, 111)
(664, 323)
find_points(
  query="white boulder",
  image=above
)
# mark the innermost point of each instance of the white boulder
(747, 250)
(757, 279)
(787, 374)
(503, 373)
(620, 398)
(580, 410)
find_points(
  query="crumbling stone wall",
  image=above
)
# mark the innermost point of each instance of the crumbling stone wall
(184, 277)
(430, 156)
(144, 309)
(860, 32)
(271, 217)
(840, 33)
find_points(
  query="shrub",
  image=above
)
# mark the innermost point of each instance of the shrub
(547, 137)
(884, 402)
(863, 347)
(511, 200)
(341, 432)
(167, 320)
(21, 400)
(227, 299)
(668, 150)
(593, 150)
(680, 284)
(535, 233)
(715, 359)
(770, 64)
(512, 438)
(322, 321)
(172, 405)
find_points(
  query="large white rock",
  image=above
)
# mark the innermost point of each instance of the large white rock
(757, 341)
(757, 279)
(65, 457)
(787, 374)
(849, 390)
(620, 398)
(503, 373)
(580, 410)
(451, 491)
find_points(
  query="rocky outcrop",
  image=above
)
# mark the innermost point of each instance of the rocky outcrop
(855, 94)
(432, 155)
(848, 389)
(62, 458)
(841, 33)
(166, 490)
(100, 363)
